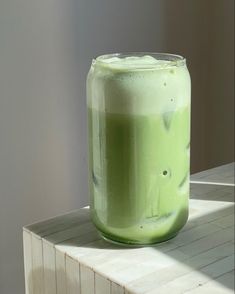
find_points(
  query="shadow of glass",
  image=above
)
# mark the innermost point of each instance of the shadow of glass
(221, 175)
(212, 192)
(204, 245)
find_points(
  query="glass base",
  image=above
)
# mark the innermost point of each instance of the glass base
(135, 244)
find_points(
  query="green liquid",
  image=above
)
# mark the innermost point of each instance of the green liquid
(139, 174)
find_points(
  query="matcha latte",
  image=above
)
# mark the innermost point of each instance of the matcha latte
(139, 146)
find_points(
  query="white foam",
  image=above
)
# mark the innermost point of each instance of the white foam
(138, 85)
(131, 62)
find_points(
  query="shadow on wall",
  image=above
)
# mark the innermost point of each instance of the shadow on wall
(183, 24)
(204, 34)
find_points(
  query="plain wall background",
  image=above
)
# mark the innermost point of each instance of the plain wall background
(46, 48)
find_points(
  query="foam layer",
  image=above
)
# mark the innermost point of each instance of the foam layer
(137, 85)
(134, 62)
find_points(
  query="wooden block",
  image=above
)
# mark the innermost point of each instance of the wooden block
(66, 255)
(28, 266)
(180, 268)
(225, 222)
(73, 281)
(211, 288)
(198, 189)
(219, 267)
(87, 280)
(73, 246)
(213, 192)
(208, 242)
(70, 233)
(61, 279)
(221, 175)
(226, 280)
(229, 197)
(195, 279)
(102, 285)
(195, 233)
(37, 275)
(59, 223)
(116, 289)
(49, 268)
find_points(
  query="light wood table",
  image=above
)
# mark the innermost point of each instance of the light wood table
(65, 254)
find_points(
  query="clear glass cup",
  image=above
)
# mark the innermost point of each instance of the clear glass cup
(139, 145)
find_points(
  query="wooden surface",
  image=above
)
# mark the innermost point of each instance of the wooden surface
(65, 254)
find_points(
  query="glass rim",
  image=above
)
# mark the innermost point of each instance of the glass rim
(174, 60)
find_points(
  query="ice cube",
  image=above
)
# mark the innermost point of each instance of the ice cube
(167, 119)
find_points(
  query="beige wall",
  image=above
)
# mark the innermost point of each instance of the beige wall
(45, 51)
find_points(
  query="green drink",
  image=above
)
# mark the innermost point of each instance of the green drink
(139, 138)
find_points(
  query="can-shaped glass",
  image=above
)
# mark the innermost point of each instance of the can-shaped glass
(139, 145)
